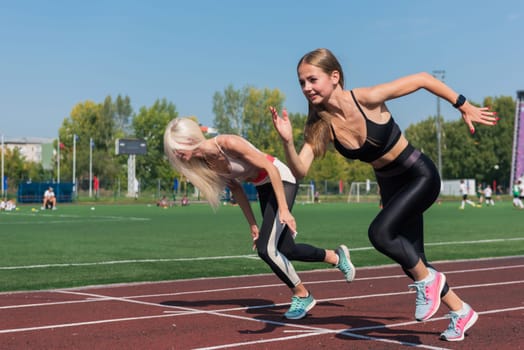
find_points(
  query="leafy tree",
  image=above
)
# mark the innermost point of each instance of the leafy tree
(460, 156)
(98, 122)
(229, 110)
(149, 124)
(245, 112)
(122, 115)
(82, 122)
(498, 141)
(17, 170)
(484, 156)
(257, 121)
(423, 136)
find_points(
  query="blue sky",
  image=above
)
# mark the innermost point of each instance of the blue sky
(55, 54)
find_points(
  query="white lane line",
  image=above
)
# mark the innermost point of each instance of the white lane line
(96, 297)
(211, 258)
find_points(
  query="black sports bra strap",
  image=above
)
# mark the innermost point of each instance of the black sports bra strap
(358, 105)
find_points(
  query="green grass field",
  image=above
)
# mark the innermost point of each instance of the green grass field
(76, 246)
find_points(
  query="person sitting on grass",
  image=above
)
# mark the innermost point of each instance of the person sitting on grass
(49, 199)
(164, 203)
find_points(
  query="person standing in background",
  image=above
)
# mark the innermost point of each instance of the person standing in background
(96, 186)
(488, 192)
(464, 193)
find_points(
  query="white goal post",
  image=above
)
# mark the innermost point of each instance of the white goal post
(305, 193)
(366, 191)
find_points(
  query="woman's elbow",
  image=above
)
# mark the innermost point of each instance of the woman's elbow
(299, 174)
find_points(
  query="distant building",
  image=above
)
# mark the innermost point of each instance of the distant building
(33, 149)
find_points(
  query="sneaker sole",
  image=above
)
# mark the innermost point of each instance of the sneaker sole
(345, 250)
(470, 324)
(437, 303)
(302, 315)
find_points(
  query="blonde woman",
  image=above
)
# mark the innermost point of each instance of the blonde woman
(360, 126)
(228, 160)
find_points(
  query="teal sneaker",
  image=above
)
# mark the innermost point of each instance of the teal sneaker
(344, 263)
(300, 307)
(428, 295)
(459, 324)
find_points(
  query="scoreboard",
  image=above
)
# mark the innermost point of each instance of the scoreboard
(130, 146)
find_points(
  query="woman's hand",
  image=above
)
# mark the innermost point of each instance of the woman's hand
(254, 235)
(282, 125)
(482, 115)
(288, 219)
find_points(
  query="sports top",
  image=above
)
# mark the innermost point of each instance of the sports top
(241, 170)
(380, 138)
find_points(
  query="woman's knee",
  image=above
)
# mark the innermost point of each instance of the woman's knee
(264, 252)
(261, 251)
(378, 236)
(373, 231)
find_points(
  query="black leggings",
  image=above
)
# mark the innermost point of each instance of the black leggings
(275, 244)
(398, 230)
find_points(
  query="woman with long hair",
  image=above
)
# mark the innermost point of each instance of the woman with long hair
(228, 160)
(359, 125)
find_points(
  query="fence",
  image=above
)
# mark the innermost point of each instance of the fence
(153, 190)
(33, 192)
(149, 190)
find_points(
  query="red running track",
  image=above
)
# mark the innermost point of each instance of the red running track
(373, 312)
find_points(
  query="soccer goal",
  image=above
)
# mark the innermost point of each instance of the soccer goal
(305, 194)
(366, 191)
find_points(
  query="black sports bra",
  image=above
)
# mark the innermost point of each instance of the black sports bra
(380, 138)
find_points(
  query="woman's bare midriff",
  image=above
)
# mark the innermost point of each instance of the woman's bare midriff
(392, 154)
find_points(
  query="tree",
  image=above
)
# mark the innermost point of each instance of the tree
(18, 169)
(245, 112)
(122, 115)
(423, 136)
(484, 156)
(229, 110)
(257, 118)
(82, 122)
(97, 122)
(498, 140)
(149, 124)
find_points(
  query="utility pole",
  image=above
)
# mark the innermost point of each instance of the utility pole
(439, 74)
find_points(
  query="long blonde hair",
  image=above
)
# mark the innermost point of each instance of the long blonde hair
(185, 134)
(317, 129)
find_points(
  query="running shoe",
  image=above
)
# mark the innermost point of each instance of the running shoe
(459, 324)
(300, 307)
(344, 263)
(428, 295)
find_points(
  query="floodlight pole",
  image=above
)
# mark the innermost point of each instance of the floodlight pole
(439, 74)
(58, 161)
